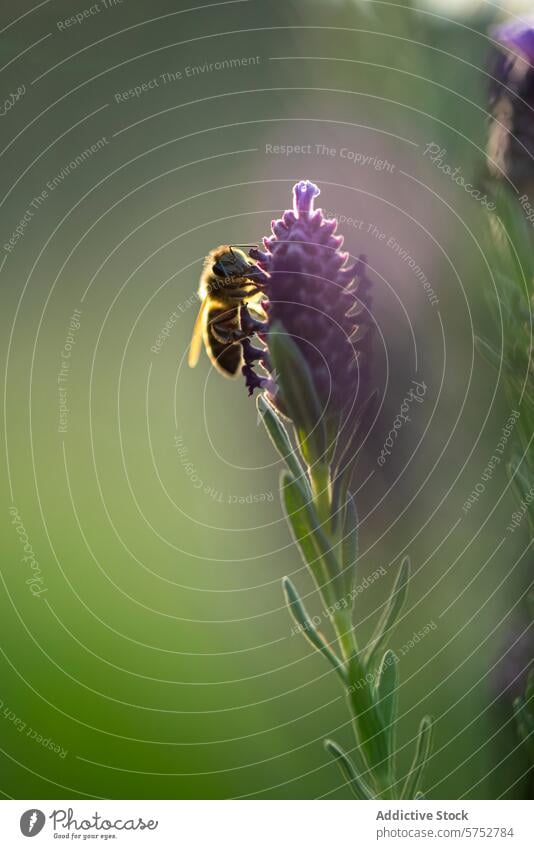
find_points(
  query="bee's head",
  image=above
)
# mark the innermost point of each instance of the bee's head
(228, 261)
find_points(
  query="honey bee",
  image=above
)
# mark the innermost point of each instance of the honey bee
(229, 281)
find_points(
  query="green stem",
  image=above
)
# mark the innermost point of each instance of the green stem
(321, 489)
(368, 726)
(371, 736)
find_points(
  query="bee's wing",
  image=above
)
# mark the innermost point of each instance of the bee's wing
(196, 339)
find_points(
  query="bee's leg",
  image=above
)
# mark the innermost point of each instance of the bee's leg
(247, 291)
(254, 381)
(258, 275)
(251, 325)
(251, 354)
(258, 287)
(258, 255)
(226, 328)
(228, 334)
(239, 294)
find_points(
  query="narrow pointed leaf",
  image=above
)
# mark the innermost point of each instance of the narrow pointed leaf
(386, 692)
(296, 507)
(422, 752)
(280, 438)
(303, 620)
(298, 395)
(493, 357)
(349, 546)
(357, 785)
(316, 547)
(517, 233)
(392, 611)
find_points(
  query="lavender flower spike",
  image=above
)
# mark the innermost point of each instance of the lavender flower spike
(317, 337)
(312, 298)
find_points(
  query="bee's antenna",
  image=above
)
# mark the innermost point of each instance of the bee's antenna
(240, 246)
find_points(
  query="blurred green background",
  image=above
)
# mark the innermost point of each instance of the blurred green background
(160, 657)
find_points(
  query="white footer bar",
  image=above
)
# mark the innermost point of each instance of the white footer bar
(267, 824)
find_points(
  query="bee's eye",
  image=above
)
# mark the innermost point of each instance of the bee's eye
(218, 269)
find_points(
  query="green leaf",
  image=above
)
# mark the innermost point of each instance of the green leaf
(517, 477)
(507, 285)
(386, 691)
(493, 357)
(298, 394)
(391, 612)
(315, 546)
(386, 700)
(357, 785)
(517, 234)
(301, 617)
(422, 752)
(296, 507)
(280, 438)
(349, 546)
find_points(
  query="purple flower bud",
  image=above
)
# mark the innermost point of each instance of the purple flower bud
(319, 300)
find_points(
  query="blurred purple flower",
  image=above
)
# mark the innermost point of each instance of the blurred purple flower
(518, 35)
(511, 137)
(322, 303)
